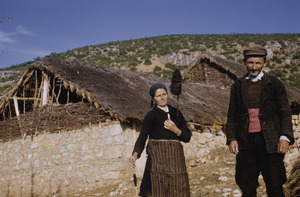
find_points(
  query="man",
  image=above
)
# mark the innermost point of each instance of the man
(259, 126)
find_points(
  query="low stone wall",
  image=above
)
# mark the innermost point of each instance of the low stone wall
(65, 163)
(69, 163)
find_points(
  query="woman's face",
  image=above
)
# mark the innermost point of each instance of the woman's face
(161, 97)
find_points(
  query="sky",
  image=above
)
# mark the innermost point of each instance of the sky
(35, 28)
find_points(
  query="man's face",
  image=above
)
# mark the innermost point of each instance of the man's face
(255, 65)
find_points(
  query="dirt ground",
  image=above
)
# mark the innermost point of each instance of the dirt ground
(212, 179)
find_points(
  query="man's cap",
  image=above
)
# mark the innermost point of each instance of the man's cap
(255, 50)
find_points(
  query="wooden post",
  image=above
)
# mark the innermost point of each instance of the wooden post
(53, 91)
(58, 94)
(24, 108)
(53, 86)
(9, 108)
(38, 96)
(4, 114)
(36, 86)
(68, 95)
(16, 106)
(45, 91)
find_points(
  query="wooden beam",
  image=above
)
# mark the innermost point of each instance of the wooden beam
(26, 98)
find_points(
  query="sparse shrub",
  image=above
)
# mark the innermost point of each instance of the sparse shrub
(157, 69)
(147, 62)
(276, 60)
(133, 64)
(229, 57)
(170, 66)
(294, 68)
(294, 80)
(240, 61)
(278, 73)
(183, 67)
(296, 56)
(3, 89)
(224, 47)
(269, 65)
(167, 73)
(133, 69)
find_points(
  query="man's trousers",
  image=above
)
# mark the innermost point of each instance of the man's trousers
(255, 159)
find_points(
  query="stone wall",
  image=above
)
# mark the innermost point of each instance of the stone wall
(65, 163)
(208, 73)
(69, 163)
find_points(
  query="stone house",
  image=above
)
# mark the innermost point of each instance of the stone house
(214, 70)
(219, 72)
(68, 127)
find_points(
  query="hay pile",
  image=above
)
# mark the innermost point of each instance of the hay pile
(292, 187)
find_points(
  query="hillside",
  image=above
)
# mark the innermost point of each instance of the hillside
(160, 55)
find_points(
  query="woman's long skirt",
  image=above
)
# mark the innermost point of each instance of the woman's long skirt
(168, 170)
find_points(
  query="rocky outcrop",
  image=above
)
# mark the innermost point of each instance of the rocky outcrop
(181, 59)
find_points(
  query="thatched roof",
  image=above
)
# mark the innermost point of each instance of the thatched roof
(126, 94)
(234, 70)
(231, 68)
(122, 95)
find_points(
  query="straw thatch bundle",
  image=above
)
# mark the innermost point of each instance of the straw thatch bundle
(292, 187)
(52, 119)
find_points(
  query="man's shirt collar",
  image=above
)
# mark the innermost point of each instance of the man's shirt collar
(258, 77)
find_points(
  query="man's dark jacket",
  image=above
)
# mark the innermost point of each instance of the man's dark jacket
(274, 113)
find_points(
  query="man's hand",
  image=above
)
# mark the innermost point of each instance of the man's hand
(283, 146)
(234, 147)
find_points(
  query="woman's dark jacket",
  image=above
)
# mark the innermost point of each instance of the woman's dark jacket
(274, 113)
(153, 125)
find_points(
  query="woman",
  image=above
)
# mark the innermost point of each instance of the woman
(166, 127)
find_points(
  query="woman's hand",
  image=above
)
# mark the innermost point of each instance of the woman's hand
(133, 158)
(170, 125)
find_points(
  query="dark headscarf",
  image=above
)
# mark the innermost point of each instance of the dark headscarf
(153, 89)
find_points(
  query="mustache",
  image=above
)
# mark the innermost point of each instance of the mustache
(253, 69)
